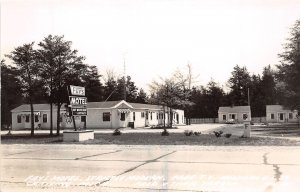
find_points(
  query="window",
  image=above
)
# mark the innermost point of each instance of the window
(133, 116)
(231, 116)
(245, 116)
(147, 115)
(151, 115)
(224, 117)
(272, 116)
(106, 116)
(83, 118)
(36, 118)
(19, 118)
(122, 117)
(142, 114)
(27, 117)
(156, 115)
(44, 118)
(290, 115)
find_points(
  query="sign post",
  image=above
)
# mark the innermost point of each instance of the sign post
(77, 102)
(77, 106)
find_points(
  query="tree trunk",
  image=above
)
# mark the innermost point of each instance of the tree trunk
(31, 118)
(51, 107)
(164, 116)
(58, 119)
(171, 117)
(51, 118)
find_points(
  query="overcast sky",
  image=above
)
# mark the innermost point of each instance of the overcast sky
(156, 37)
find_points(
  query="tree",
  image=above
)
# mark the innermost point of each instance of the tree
(130, 90)
(24, 57)
(257, 97)
(141, 97)
(170, 93)
(239, 83)
(92, 84)
(46, 58)
(64, 63)
(214, 99)
(11, 95)
(110, 85)
(289, 69)
(268, 86)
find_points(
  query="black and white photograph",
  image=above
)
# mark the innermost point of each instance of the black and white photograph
(150, 95)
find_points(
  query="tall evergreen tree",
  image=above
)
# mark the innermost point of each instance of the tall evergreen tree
(289, 69)
(24, 57)
(11, 95)
(268, 86)
(142, 97)
(239, 83)
(214, 99)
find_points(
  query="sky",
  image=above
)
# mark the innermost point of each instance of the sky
(157, 37)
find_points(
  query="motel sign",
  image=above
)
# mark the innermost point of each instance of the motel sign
(77, 101)
(76, 90)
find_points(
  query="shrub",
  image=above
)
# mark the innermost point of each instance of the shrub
(117, 132)
(165, 133)
(227, 135)
(188, 133)
(218, 133)
(197, 133)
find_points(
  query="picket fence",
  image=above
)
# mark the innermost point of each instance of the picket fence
(216, 120)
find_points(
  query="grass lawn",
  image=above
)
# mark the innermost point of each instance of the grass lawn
(286, 130)
(153, 139)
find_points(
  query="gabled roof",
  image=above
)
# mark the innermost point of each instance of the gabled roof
(36, 107)
(276, 108)
(234, 109)
(103, 104)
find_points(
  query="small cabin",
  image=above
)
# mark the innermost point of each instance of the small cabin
(236, 114)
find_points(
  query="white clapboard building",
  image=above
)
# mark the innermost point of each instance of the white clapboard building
(110, 114)
(279, 114)
(237, 114)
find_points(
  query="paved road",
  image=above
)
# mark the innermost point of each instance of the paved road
(148, 168)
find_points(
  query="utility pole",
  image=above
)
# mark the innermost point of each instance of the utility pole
(124, 79)
(248, 97)
(189, 75)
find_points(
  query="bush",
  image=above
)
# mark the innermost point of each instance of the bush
(218, 133)
(197, 133)
(188, 133)
(165, 133)
(117, 132)
(227, 135)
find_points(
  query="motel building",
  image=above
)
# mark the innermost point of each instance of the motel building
(236, 114)
(279, 114)
(109, 114)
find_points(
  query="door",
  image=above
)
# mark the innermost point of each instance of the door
(123, 119)
(147, 119)
(281, 117)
